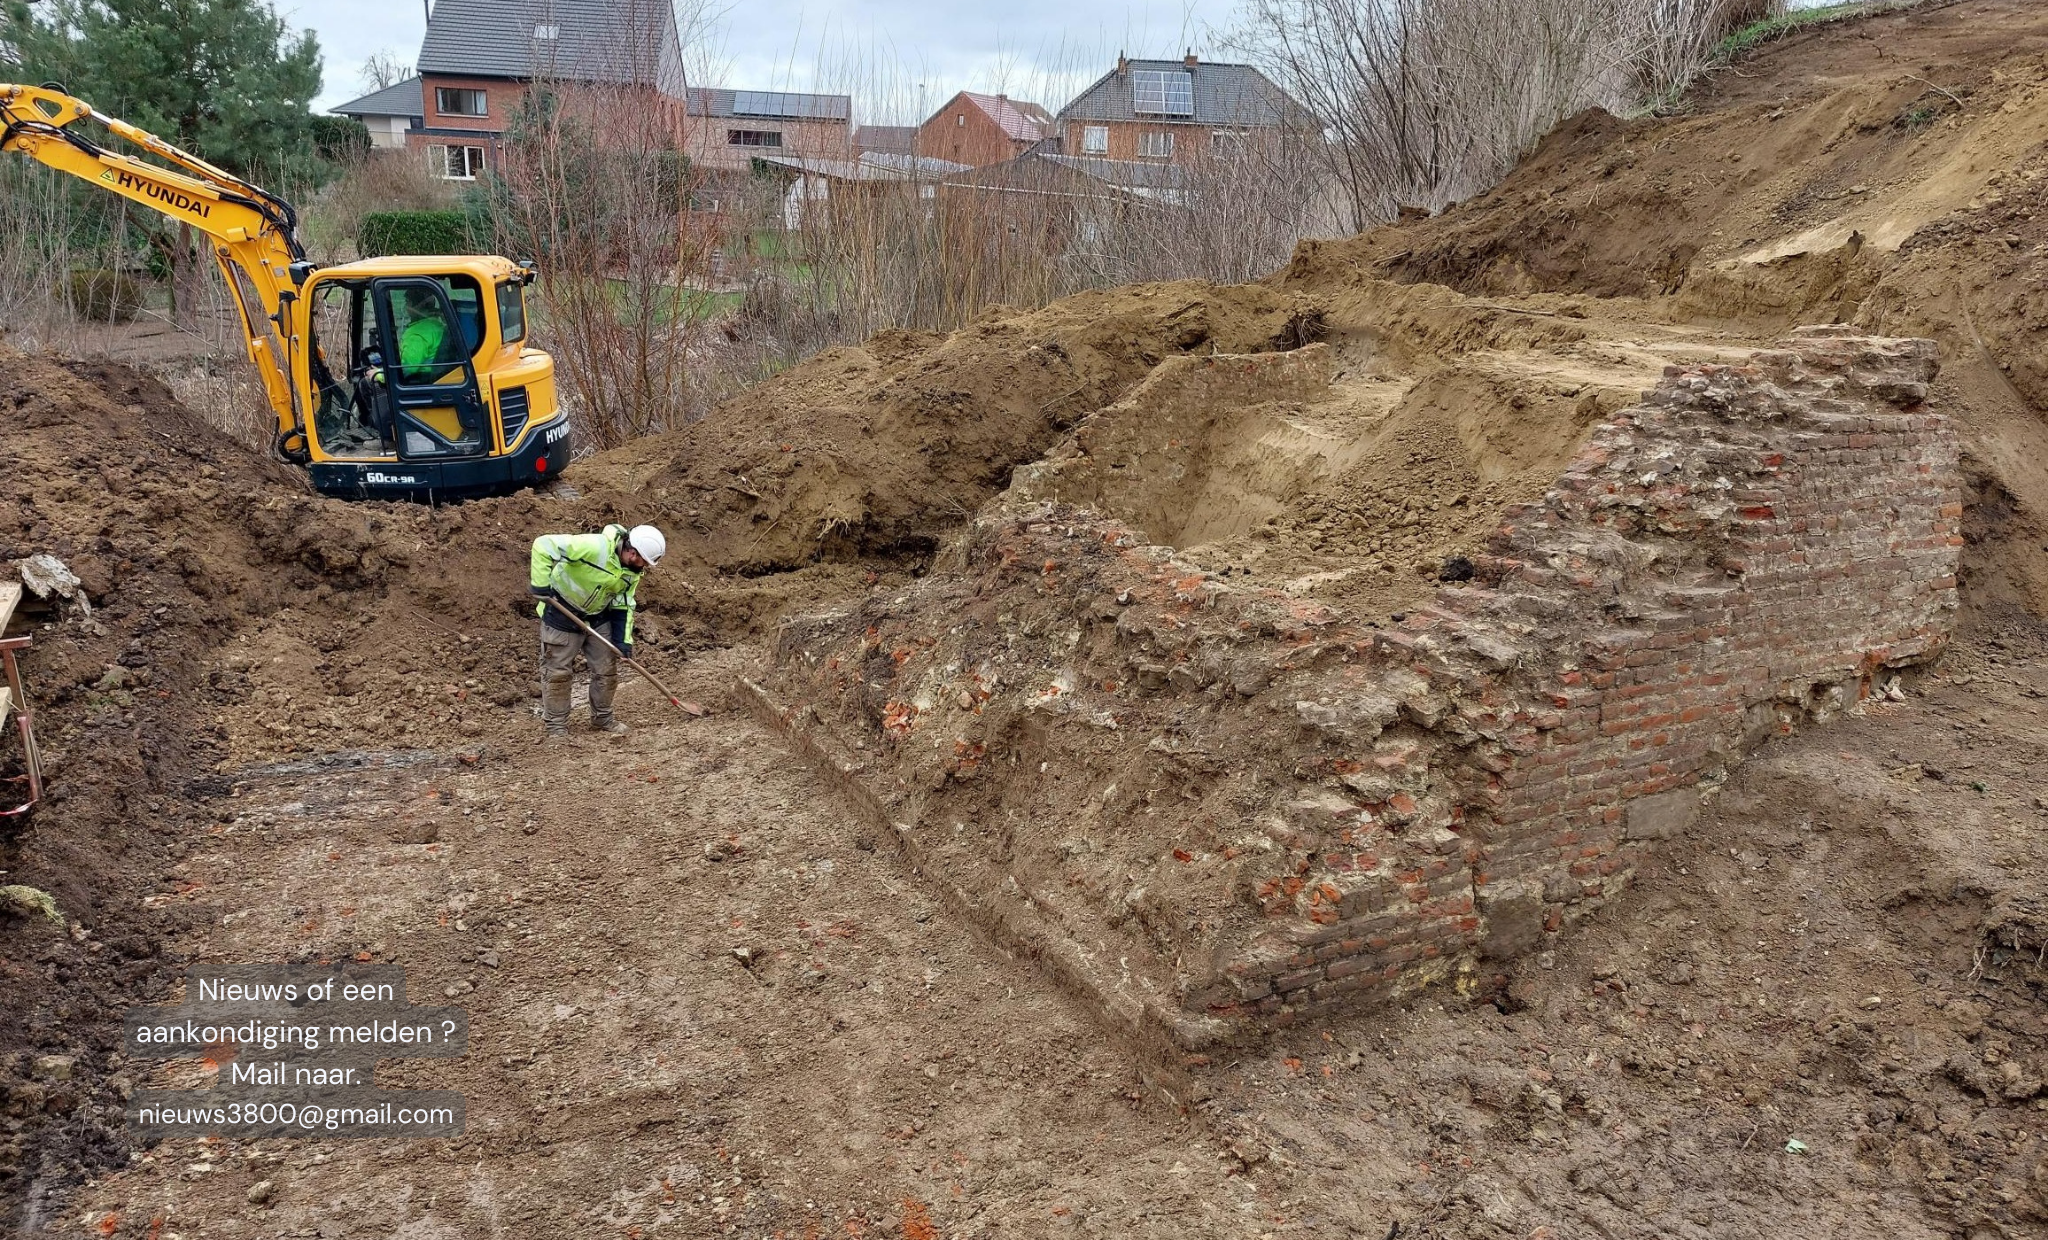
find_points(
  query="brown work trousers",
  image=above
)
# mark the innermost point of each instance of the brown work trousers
(558, 651)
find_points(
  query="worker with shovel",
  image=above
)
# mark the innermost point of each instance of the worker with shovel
(586, 584)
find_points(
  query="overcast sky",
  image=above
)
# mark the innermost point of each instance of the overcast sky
(880, 51)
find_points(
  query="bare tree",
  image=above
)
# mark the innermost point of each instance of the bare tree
(1234, 211)
(1426, 102)
(594, 185)
(1675, 39)
(384, 69)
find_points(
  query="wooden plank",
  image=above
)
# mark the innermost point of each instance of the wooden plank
(10, 596)
(6, 704)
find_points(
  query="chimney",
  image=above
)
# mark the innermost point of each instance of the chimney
(1191, 61)
(1123, 64)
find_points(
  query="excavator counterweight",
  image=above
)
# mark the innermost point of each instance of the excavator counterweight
(391, 378)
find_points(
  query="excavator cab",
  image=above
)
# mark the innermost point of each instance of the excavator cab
(423, 380)
(391, 378)
(411, 391)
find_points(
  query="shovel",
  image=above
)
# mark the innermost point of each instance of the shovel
(688, 708)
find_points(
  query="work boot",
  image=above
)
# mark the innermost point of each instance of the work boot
(606, 723)
(553, 732)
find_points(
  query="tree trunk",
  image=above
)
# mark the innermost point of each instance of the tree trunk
(184, 281)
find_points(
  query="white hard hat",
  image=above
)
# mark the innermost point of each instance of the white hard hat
(648, 542)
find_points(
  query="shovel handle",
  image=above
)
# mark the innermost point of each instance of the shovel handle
(631, 662)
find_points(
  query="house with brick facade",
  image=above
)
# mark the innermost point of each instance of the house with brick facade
(726, 130)
(979, 130)
(1175, 111)
(885, 140)
(480, 58)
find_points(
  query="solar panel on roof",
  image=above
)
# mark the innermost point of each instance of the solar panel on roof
(786, 103)
(1163, 92)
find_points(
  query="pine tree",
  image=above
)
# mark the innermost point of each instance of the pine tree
(228, 80)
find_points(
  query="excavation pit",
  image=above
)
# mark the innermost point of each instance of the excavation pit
(1323, 471)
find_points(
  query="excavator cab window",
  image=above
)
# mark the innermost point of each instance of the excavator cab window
(352, 413)
(425, 362)
(511, 312)
(467, 296)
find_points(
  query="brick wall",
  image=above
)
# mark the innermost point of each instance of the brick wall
(706, 139)
(1192, 143)
(1257, 807)
(963, 133)
(501, 99)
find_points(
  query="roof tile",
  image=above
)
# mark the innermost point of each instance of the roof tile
(397, 99)
(1225, 94)
(628, 41)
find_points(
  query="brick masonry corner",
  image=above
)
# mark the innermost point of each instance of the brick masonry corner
(1232, 808)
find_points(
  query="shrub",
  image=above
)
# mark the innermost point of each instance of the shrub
(384, 179)
(340, 139)
(414, 232)
(104, 294)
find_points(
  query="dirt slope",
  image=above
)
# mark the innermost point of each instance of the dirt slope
(1888, 173)
(121, 700)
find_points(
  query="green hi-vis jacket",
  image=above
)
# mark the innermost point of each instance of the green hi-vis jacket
(584, 572)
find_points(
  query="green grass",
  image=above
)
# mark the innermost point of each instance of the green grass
(701, 305)
(770, 243)
(1759, 33)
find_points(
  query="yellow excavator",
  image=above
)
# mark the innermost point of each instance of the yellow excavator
(392, 378)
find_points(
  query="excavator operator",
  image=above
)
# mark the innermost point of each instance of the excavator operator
(422, 334)
(421, 339)
(594, 577)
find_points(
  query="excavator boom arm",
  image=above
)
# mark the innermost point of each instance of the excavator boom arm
(254, 232)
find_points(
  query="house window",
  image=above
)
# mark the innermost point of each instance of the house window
(753, 137)
(1227, 141)
(1156, 92)
(456, 163)
(547, 32)
(960, 121)
(451, 102)
(1155, 144)
(1095, 139)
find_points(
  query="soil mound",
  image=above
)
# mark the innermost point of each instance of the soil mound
(883, 448)
(1873, 130)
(1891, 174)
(1365, 489)
(147, 505)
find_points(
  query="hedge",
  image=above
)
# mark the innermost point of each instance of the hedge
(414, 232)
(104, 295)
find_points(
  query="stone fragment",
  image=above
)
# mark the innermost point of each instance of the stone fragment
(1513, 913)
(55, 1067)
(1663, 816)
